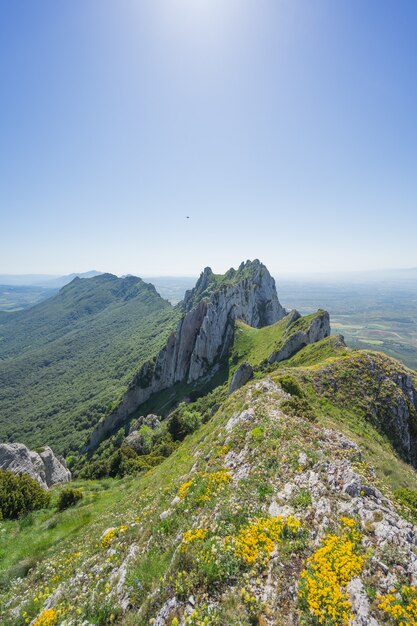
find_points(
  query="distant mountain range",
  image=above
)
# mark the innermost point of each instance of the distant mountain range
(44, 280)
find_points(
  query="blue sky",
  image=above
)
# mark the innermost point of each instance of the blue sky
(285, 129)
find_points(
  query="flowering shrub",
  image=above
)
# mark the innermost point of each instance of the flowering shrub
(204, 616)
(255, 542)
(110, 534)
(205, 485)
(48, 617)
(401, 605)
(193, 535)
(212, 559)
(322, 588)
(183, 490)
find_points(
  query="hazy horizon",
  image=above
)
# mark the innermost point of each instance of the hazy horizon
(285, 275)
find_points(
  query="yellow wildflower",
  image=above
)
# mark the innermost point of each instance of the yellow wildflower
(323, 582)
(48, 617)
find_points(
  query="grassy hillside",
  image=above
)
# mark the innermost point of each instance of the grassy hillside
(258, 476)
(255, 345)
(66, 360)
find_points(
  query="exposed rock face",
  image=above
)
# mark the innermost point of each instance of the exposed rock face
(45, 468)
(150, 420)
(241, 376)
(135, 438)
(203, 335)
(318, 329)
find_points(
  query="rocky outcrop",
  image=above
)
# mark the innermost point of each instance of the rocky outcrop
(136, 439)
(44, 467)
(203, 335)
(150, 420)
(387, 391)
(241, 376)
(318, 328)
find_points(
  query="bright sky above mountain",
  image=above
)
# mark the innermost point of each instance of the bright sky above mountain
(285, 129)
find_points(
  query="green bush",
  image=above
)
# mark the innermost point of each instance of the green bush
(291, 386)
(95, 470)
(69, 497)
(299, 407)
(19, 494)
(183, 422)
(407, 497)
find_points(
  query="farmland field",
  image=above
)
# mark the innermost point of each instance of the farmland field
(377, 316)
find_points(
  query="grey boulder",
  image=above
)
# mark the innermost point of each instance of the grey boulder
(44, 467)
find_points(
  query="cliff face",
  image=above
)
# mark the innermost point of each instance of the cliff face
(203, 335)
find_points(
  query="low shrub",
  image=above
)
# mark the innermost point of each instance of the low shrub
(20, 494)
(184, 422)
(407, 497)
(291, 386)
(69, 497)
(299, 407)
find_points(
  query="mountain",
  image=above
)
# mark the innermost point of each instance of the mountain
(19, 292)
(201, 341)
(292, 501)
(64, 361)
(286, 498)
(56, 282)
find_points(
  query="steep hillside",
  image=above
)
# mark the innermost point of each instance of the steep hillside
(200, 344)
(267, 514)
(66, 360)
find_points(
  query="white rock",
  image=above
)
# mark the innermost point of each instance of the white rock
(45, 468)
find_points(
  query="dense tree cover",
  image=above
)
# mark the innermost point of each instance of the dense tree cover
(67, 361)
(19, 494)
(114, 457)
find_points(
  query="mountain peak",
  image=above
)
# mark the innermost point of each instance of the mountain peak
(248, 273)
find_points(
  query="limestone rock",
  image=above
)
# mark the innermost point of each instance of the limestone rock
(241, 376)
(56, 470)
(46, 468)
(318, 329)
(203, 335)
(150, 420)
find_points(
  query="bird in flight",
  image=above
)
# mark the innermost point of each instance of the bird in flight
(188, 217)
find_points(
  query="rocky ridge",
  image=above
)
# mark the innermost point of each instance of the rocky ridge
(203, 335)
(317, 329)
(255, 467)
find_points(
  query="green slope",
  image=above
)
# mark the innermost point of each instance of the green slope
(65, 360)
(90, 571)
(255, 345)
